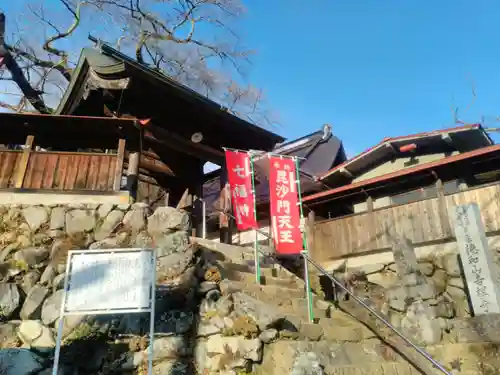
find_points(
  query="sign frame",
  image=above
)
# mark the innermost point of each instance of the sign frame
(67, 291)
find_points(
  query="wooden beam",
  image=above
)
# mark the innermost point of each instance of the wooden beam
(369, 204)
(185, 201)
(443, 209)
(154, 165)
(344, 171)
(148, 179)
(157, 134)
(390, 146)
(225, 221)
(119, 165)
(446, 137)
(132, 174)
(23, 163)
(176, 142)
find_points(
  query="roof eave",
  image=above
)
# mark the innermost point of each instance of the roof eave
(388, 141)
(314, 198)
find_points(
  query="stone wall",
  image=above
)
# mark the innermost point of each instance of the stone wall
(34, 242)
(203, 324)
(420, 295)
(198, 329)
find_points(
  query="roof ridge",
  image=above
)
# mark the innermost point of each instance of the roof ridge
(392, 139)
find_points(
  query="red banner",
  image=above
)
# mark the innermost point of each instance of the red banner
(240, 179)
(284, 206)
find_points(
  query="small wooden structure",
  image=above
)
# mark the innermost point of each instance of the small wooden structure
(49, 154)
(56, 170)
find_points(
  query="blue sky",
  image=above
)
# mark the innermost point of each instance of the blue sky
(375, 68)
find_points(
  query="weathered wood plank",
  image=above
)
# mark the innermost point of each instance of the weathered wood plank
(4, 170)
(118, 172)
(73, 164)
(39, 164)
(8, 163)
(103, 173)
(421, 222)
(111, 174)
(62, 170)
(50, 171)
(93, 174)
(81, 177)
(23, 163)
(28, 171)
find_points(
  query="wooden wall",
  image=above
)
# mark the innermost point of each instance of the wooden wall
(422, 222)
(9, 161)
(58, 170)
(70, 171)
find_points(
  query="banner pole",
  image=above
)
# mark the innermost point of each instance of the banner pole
(256, 241)
(309, 297)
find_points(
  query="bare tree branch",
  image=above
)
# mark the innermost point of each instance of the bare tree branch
(194, 41)
(455, 110)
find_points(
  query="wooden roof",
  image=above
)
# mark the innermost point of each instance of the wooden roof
(476, 161)
(463, 139)
(109, 78)
(68, 132)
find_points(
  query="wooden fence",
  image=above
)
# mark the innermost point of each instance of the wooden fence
(60, 170)
(426, 221)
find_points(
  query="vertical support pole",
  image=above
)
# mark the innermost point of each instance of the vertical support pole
(443, 210)
(204, 218)
(119, 165)
(197, 204)
(310, 312)
(225, 234)
(23, 163)
(152, 317)
(57, 353)
(369, 204)
(133, 174)
(256, 233)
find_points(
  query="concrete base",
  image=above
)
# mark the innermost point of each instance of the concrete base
(62, 197)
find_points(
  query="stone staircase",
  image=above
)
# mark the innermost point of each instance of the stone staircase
(345, 340)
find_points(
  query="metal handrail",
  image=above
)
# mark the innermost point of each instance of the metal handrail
(377, 315)
(338, 284)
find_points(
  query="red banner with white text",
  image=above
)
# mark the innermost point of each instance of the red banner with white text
(284, 206)
(240, 180)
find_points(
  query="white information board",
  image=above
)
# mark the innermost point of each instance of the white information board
(479, 269)
(109, 281)
(103, 281)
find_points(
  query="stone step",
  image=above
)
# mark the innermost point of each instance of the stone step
(376, 357)
(287, 282)
(335, 329)
(268, 272)
(273, 292)
(282, 356)
(382, 368)
(233, 253)
(297, 309)
(302, 315)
